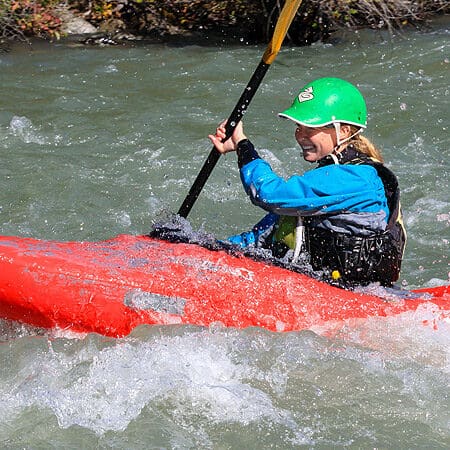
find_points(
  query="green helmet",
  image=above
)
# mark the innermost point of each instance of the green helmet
(328, 101)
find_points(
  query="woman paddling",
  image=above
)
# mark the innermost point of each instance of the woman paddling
(345, 214)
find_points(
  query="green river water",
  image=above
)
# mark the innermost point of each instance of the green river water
(96, 142)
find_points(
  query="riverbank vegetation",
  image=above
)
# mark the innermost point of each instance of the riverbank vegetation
(251, 20)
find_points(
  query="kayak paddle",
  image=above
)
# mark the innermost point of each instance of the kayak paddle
(284, 21)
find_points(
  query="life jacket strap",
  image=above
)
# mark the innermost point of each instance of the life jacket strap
(299, 239)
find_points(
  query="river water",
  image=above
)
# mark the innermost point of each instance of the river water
(95, 142)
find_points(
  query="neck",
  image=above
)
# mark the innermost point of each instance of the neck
(340, 156)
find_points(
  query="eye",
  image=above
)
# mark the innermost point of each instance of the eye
(306, 131)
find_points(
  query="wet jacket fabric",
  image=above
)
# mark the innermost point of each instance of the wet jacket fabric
(344, 207)
(347, 198)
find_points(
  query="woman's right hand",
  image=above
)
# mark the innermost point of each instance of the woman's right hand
(230, 145)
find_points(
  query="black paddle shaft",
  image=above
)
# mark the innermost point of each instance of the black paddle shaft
(238, 111)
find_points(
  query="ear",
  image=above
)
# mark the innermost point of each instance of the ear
(345, 131)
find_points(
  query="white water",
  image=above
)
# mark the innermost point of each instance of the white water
(383, 384)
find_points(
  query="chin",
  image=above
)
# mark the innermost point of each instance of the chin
(309, 157)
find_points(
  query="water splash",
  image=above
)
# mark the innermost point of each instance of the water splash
(23, 128)
(104, 387)
(207, 384)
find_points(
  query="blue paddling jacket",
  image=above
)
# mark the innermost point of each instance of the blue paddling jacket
(349, 210)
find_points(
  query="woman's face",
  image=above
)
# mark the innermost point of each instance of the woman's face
(315, 142)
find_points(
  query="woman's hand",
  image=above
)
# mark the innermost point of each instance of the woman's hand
(230, 145)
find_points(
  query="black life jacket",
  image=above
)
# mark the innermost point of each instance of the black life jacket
(361, 259)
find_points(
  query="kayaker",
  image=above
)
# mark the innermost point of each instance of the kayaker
(345, 214)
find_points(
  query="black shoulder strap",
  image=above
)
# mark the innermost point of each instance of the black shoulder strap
(391, 190)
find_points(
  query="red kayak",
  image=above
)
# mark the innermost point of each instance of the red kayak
(111, 287)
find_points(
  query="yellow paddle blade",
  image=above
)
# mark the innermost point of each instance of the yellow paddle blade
(284, 21)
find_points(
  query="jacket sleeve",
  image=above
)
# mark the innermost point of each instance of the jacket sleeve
(252, 237)
(327, 190)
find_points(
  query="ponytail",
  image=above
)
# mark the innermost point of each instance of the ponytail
(364, 145)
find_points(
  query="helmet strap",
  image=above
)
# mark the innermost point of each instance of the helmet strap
(337, 127)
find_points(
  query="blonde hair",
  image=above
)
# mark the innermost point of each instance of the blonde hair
(364, 145)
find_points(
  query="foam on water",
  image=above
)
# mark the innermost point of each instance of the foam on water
(105, 389)
(23, 128)
(200, 383)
